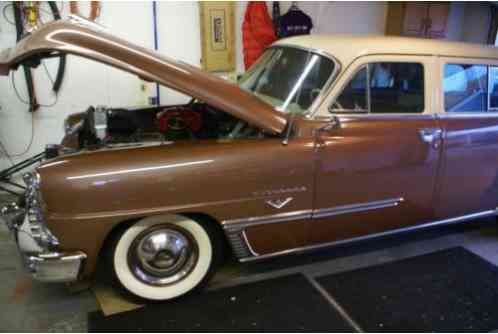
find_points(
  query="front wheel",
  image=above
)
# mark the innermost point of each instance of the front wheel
(164, 257)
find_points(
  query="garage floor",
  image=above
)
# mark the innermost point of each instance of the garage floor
(30, 306)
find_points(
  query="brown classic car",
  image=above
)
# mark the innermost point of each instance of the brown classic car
(325, 140)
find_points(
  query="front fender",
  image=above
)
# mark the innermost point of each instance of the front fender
(89, 193)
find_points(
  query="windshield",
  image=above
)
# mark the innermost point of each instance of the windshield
(289, 79)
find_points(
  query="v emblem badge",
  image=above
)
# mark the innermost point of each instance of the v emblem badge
(279, 203)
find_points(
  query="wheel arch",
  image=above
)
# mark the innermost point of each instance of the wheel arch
(211, 221)
(199, 217)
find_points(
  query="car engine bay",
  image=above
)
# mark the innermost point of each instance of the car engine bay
(100, 126)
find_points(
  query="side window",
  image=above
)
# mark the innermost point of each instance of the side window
(493, 88)
(465, 88)
(383, 88)
(354, 96)
(396, 88)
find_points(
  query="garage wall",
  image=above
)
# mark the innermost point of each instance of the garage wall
(179, 37)
(476, 22)
(469, 22)
(328, 17)
(455, 19)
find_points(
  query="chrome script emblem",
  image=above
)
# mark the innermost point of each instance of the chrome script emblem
(279, 203)
(281, 191)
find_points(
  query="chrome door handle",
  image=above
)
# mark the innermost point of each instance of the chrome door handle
(431, 136)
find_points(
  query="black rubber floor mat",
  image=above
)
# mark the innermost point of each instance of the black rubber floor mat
(290, 303)
(448, 291)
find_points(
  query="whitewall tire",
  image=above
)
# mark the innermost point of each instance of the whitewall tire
(164, 257)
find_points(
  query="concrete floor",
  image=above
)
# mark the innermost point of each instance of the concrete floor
(35, 307)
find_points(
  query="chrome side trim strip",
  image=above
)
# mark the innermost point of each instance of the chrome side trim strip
(242, 223)
(340, 210)
(235, 228)
(374, 236)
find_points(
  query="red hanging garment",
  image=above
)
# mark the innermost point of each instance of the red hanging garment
(257, 31)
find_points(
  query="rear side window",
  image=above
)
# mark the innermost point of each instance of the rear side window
(465, 88)
(384, 88)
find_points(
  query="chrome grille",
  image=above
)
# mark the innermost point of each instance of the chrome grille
(34, 206)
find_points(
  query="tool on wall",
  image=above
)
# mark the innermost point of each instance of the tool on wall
(18, 19)
(62, 58)
(276, 18)
(94, 10)
(31, 13)
(27, 19)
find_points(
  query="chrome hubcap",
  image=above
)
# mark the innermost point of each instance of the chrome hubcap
(163, 255)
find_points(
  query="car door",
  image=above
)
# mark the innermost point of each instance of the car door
(378, 156)
(469, 117)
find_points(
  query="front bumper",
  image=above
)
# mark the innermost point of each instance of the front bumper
(44, 265)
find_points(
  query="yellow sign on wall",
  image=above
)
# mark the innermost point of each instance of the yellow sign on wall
(218, 36)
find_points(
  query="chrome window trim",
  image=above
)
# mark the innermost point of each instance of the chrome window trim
(369, 91)
(328, 84)
(442, 222)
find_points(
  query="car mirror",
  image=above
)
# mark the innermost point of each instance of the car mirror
(334, 123)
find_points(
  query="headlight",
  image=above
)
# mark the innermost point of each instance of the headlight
(34, 209)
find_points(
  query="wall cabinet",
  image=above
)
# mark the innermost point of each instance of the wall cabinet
(420, 19)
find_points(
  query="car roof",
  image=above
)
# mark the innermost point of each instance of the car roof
(346, 48)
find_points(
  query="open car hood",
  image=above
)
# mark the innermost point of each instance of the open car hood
(86, 41)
